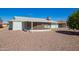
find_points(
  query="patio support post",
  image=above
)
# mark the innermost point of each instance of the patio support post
(50, 26)
(31, 25)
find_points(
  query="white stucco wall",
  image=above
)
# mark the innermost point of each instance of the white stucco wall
(17, 25)
(54, 25)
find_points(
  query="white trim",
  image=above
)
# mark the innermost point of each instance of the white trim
(44, 30)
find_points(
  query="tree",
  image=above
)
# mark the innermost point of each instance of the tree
(1, 21)
(73, 20)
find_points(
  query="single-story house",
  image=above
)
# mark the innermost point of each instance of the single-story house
(29, 23)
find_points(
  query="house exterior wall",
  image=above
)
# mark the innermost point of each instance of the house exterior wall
(17, 25)
(54, 25)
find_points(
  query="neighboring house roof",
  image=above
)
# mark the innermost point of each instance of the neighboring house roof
(61, 22)
(30, 19)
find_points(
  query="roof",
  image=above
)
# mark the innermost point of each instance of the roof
(61, 22)
(30, 19)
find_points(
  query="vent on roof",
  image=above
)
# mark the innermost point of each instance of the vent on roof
(14, 17)
(48, 18)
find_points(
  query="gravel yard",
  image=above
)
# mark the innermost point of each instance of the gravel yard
(38, 41)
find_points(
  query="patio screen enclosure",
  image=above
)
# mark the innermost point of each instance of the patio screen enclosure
(35, 25)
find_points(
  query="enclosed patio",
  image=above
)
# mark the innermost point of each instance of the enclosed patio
(35, 25)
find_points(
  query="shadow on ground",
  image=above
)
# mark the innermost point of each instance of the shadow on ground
(68, 32)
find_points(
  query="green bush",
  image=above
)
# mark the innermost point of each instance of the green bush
(73, 20)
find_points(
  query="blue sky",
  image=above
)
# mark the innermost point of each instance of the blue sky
(56, 13)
